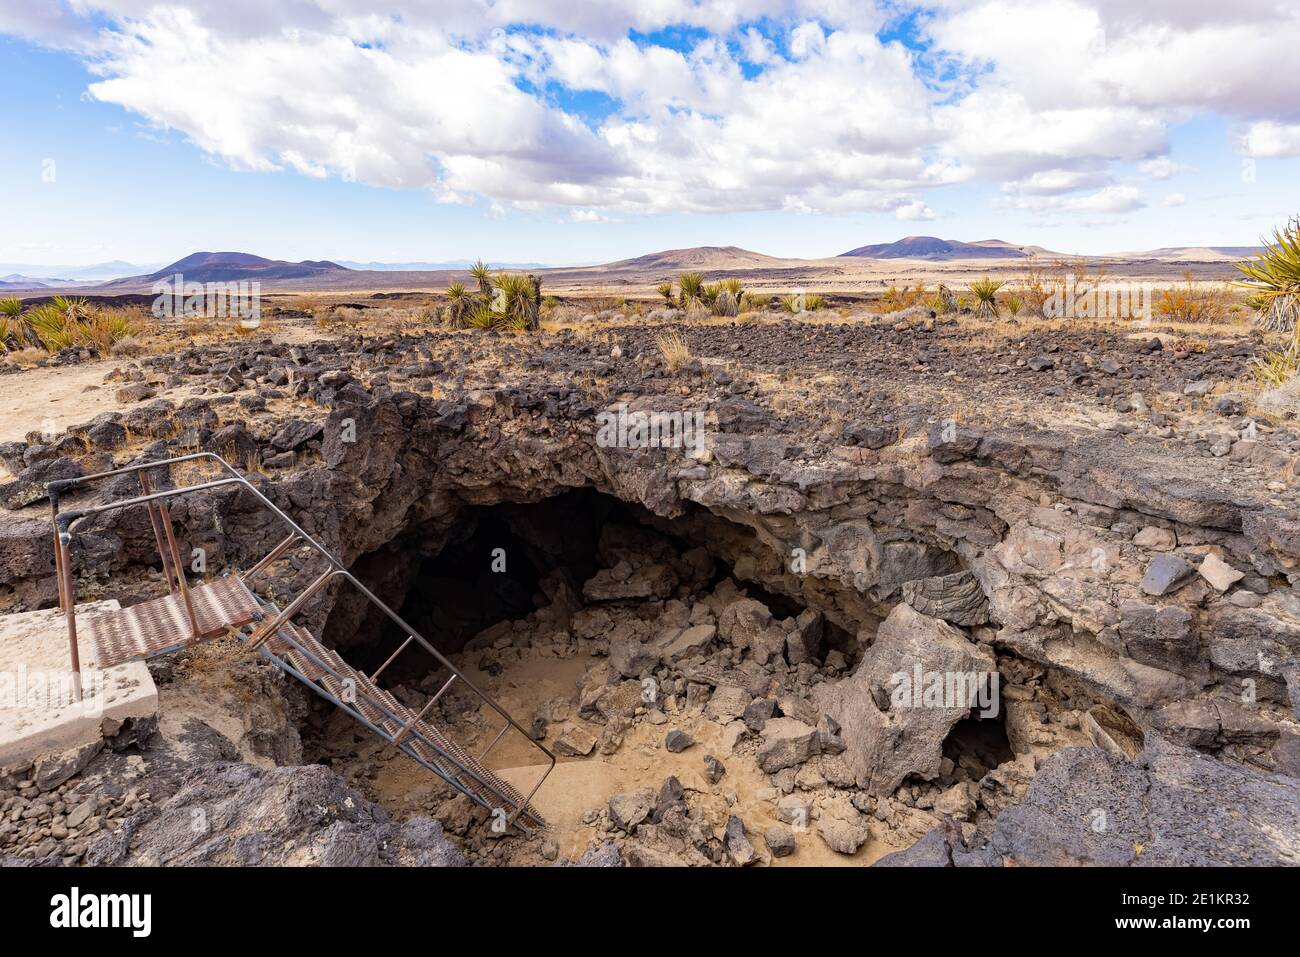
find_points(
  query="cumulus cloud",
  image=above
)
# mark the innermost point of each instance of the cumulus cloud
(796, 105)
(1267, 140)
(1174, 199)
(914, 212)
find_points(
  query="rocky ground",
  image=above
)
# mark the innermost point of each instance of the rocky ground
(1102, 516)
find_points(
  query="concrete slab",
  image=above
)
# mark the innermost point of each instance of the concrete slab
(38, 715)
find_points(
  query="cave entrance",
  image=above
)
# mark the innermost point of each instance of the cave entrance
(464, 587)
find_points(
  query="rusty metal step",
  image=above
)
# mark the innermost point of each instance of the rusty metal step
(154, 627)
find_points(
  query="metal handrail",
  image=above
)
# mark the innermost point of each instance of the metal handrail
(63, 522)
(408, 728)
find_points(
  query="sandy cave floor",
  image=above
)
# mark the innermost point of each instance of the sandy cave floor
(581, 784)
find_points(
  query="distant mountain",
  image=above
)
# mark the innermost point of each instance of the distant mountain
(435, 266)
(696, 258)
(63, 274)
(15, 281)
(1196, 253)
(933, 248)
(229, 267)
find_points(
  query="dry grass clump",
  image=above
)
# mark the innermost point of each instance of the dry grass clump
(676, 353)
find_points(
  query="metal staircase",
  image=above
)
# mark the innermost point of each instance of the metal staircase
(231, 605)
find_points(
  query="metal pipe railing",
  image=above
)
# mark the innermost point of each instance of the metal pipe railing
(63, 522)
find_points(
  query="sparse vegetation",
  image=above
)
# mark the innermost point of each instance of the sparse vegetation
(895, 299)
(63, 323)
(509, 300)
(665, 289)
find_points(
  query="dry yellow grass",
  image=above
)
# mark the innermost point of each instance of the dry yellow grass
(673, 348)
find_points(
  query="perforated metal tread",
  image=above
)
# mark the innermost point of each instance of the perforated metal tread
(153, 627)
(381, 709)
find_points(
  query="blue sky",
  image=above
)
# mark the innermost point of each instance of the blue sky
(591, 133)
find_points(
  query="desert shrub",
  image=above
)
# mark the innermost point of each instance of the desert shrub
(1014, 303)
(11, 306)
(1187, 303)
(895, 299)
(665, 289)
(1273, 279)
(986, 296)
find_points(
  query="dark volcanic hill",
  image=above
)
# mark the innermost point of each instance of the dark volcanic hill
(227, 267)
(933, 248)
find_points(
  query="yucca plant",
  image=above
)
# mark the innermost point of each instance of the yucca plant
(734, 286)
(517, 300)
(691, 284)
(709, 293)
(482, 317)
(665, 289)
(1273, 278)
(459, 304)
(53, 326)
(11, 307)
(986, 296)
(479, 273)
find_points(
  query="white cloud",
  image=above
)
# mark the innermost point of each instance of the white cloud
(1111, 200)
(914, 212)
(1053, 181)
(1162, 167)
(1267, 140)
(1174, 199)
(784, 104)
(589, 216)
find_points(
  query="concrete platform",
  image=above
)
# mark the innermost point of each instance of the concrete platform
(38, 715)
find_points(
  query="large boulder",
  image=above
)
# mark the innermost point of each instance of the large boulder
(237, 814)
(1169, 806)
(903, 699)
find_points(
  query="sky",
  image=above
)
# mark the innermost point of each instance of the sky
(593, 130)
